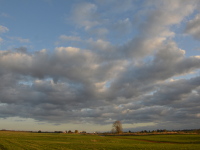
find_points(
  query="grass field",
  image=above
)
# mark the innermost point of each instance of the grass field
(60, 141)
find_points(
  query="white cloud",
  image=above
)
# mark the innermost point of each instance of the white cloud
(100, 32)
(100, 44)
(69, 38)
(1, 40)
(4, 15)
(68, 50)
(3, 29)
(84, 14)
(117, 7)
(65, 39)
(21, 40)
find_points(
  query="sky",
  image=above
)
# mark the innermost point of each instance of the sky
(83, 64)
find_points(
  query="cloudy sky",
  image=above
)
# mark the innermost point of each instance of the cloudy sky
(83, 64)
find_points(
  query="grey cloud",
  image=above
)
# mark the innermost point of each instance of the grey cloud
(64, 62)
(172, 102)
(21, 49)
(123, 27)
(168, 62)
(174, 93)
(26, 87)
(193, 27)
(106, 82)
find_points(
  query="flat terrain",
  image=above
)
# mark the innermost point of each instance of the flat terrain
(60, 141)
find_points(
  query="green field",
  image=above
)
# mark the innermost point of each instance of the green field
(60, 141)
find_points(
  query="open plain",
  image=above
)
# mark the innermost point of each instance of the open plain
(47, 141)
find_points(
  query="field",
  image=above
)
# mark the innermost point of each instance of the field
(60, 141)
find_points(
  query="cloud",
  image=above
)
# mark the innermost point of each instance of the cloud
(3, 29)
(100, 45)
(21, 49)
(69, 38)
(75, 84)
(5, 15)
(99, 32)
(123, 26)
(156, 28)
(117, 7)
(65, 39)
(21, 40)
(193, 27)
(168, 62)
(1, 40)
(136, 81)
(85, 15)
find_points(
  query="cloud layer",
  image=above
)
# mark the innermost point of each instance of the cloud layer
(140, 80)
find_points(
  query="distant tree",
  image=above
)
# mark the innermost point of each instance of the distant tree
(69, 131)
(39, 131)
(113, 130)
(76, 131)
(117, 127)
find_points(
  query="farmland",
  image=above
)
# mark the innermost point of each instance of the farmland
(39, 141)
